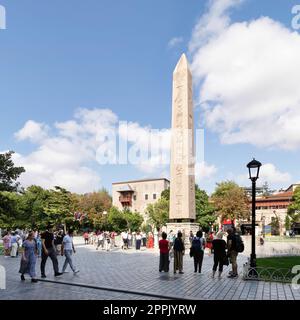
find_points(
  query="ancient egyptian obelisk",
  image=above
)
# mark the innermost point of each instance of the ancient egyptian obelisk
(182, 191)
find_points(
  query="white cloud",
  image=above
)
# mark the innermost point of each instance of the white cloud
(175, 42)
(204, 172)
(271, 174)
(248, 78)
(66, 154)
(212, 23)
(268, 173)
(33, 131)
(64, 158)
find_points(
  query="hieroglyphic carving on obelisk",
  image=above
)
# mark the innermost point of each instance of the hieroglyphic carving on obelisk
(182, 193)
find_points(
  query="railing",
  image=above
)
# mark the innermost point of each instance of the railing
(267, 274)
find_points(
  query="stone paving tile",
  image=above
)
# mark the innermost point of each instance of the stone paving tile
(137, 271)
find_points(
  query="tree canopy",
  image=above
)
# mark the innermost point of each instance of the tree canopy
(158, 212)
(205, 211)
(294, 207)
(9, 173)
(230, 201)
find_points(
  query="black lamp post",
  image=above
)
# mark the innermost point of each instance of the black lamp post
(253, 167)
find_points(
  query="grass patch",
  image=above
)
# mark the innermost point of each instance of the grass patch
(277, 268)
(278, 262)
(282, 239)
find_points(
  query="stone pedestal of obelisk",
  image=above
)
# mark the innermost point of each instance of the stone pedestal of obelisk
(182, 215)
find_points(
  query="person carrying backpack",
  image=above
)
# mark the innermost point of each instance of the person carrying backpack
(197, 250)
(235, 246)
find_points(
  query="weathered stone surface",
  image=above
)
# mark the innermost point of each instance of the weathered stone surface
(182, 194)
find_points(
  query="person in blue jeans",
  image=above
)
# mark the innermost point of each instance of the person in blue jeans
(66, 250)
(39, 244)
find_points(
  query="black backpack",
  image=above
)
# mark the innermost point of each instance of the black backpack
(197, 245)
(240, 247)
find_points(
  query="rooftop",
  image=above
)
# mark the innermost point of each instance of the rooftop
(143, 180)
(287, 195)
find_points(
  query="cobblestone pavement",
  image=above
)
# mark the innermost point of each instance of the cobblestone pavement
(137, 272)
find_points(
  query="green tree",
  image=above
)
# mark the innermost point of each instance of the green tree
(134, 220)
(9, 201)
(116, 220)
(230, 201)
(9, 173)
(287, 223)
(33, 202)
(275, 225)
(294, 207)
(9, 210)
(158, 212)
(205, 211)
(166, 194)
(57, 207)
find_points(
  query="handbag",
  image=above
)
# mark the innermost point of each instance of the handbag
(191, 252)
(225, 261)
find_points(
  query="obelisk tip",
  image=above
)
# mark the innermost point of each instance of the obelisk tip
(182, 64)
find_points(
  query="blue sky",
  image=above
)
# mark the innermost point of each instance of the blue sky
(57, 57)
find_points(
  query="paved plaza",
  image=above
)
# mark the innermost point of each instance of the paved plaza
(135, 273)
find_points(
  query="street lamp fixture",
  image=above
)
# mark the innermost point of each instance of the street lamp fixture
(253, 167)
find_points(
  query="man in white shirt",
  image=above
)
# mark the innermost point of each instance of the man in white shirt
(125, 240)
(100, 241)
(67, 249)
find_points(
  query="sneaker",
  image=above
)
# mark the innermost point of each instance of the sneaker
(76, 271)
(58, 274)
(44, 276)
(22, 277)
(181, 272)
(34, 280)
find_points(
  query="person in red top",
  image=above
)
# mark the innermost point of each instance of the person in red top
(150, 244)
(86, 237)
(164, 248)
(209, 241)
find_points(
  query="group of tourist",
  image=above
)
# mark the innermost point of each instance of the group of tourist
(101, 239)
(224, 252)
(51, 244)
(12, 241)
(106, 240)
(43, 245)
(137, 240)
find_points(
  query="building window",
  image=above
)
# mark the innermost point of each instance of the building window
(154, 196)
(146, 197)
